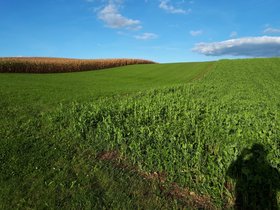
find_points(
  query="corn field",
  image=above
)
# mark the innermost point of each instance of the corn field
(60, 65)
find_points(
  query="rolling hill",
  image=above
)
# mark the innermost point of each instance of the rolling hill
(141, 136)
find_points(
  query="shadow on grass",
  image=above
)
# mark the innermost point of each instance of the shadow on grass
(256, 181)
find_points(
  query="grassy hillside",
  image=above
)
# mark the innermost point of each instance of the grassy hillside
(48, 90)
(181, 141)
(29, 148)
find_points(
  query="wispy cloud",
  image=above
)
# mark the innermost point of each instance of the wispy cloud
(270, 30)
(265, 46)
(196, 33)
(233, 34)
(168, 7)
(146, 36)
(112, 17)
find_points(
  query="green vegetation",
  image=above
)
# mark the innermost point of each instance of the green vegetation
(44, 91)
(187, 133)
(31, 147)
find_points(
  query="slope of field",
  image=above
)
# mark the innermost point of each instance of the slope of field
(186, 137)
(30, 151)
(56, 65)
(192, 134)
(48, 90)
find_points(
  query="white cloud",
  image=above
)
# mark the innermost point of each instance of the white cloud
(271, 30)
(111, 16)
(196, 33)
(165, 5)
(146, 36)
(233, 34)
(265, 46)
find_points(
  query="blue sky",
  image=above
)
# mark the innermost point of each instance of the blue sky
(159, 30)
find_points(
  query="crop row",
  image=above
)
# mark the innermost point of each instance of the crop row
(55, 65)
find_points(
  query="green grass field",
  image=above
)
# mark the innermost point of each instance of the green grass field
(156, 136)
(46, 90)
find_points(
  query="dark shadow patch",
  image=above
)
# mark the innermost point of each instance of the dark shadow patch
(257, 181)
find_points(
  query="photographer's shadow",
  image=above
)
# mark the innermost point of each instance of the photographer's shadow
(256, 181)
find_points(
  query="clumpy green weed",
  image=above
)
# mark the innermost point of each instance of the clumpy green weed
(193, 132)
(190, 133)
